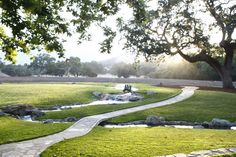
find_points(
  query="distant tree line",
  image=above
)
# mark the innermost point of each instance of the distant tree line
(185, 70)
(44, 64)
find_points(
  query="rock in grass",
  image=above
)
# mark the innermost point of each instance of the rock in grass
(155, 120)
(233, 124)
(2, 113)
(217, 123)
(206, 124)
(97, 94)
(22, 110)
(48, 121)
(137, 122)
(70, 119)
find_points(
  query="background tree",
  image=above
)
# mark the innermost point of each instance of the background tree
(17, 70)
(91, 69)
(41, 63)
(123, 70)
(170, 27)
(87, 71)
(74, 65)
(179, 27)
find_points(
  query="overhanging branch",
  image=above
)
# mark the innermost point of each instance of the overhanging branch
(202, 56)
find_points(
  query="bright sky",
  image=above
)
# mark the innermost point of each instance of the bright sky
(89, 50)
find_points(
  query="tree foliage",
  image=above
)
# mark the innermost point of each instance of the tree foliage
(41, 63)
(17, 70)
(26, 25)
(157, 27)
(123, 70)
(178, 26)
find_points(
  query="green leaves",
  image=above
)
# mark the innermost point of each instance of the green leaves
(34, 24)
(106, 45)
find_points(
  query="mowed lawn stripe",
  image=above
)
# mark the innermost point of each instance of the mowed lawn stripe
(142, 142)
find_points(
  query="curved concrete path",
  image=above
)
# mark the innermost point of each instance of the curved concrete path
(33, 148)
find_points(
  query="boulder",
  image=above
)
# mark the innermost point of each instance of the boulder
(206, 124)
(107, 97)
(36, 113)
(56, 107)
(22, 110)
(217, 123)
(2, 113)
(135, 97)
(155, 120)
(97, 94)
(233, 124)
(48, 121)
(137, 122)
(70, 119)
(178, 123)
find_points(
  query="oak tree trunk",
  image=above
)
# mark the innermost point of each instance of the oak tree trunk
(227, 79)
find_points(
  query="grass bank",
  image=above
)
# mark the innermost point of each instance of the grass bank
(142, 142)
(46, 95)
(203, 106)
(162, 94)
(12, 130)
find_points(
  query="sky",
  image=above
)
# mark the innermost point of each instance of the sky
(88, 50)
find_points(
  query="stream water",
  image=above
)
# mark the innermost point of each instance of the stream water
(145, 126)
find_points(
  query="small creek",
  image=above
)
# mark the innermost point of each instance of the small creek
(111, 99)
(145, 126)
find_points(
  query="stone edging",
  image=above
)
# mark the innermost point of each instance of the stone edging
(204, 153)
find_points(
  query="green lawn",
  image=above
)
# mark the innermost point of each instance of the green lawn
(203, 106)
(12, 130)
(162, 94)
(45, 95)
(141, 142)
(227, 155)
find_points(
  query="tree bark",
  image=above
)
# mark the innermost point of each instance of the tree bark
(223, 70)
(226, 78)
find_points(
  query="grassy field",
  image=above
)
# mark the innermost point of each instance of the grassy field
(203, 106)
(141, 142)
(12, 130)
(45, 95)
(162, 94)
(227, 155)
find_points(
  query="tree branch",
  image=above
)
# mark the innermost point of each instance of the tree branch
(202, 56)
(211, 7)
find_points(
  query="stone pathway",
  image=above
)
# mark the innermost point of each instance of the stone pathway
(33, 148)
(204, 153)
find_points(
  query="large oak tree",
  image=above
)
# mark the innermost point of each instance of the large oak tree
(184, 27)
(197, 30)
